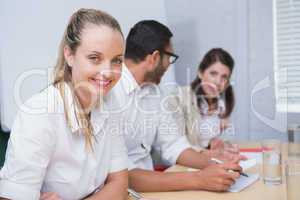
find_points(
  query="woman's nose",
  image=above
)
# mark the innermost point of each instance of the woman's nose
(218, 81)
(105, 70)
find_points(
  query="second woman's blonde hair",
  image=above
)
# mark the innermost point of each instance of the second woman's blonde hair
(63, 73)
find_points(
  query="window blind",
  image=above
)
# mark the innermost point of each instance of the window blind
(286, 15)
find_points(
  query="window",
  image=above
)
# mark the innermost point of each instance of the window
(286, 17)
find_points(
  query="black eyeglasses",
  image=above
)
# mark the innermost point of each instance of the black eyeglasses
(173, 57)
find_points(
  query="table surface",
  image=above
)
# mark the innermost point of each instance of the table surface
(257, 191)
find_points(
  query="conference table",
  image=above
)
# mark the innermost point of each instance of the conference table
(257, 191)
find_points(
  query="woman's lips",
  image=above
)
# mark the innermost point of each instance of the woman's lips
(99, 83)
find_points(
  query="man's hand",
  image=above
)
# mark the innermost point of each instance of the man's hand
(217, 177)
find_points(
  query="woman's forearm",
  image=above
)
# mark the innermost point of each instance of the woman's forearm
(114, 188)
(152, 181)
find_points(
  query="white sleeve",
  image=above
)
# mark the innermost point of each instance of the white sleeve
(119, 157)
(131, 164)
(171, 137)
(229, 132)
(29, 150)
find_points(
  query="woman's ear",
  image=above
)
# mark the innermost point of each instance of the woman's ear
(228, 84)
(69, 57)
(200, 75)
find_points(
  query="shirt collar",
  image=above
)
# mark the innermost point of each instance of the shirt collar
(98, 115)
(128, 81)
(220, 107)
(130, 85)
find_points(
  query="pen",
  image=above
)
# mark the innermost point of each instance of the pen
(134, 194)
(221, 162)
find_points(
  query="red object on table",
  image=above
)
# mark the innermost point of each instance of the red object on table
(251, 149)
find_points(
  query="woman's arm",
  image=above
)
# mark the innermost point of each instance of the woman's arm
(115, 187)
(28, 154)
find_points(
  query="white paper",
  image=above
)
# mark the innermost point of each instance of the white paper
(246, 164)
(242, 182)
(253, 155)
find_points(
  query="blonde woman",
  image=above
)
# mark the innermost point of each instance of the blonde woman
(68, 151)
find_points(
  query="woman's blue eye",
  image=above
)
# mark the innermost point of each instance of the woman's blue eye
(117, 61)
(94, 58)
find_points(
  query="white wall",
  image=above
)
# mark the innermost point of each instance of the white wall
(33, 30)
(209, 24)
(244, 28)
(266, 123)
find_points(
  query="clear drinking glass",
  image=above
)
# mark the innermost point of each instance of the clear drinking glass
(292, 171)
(272, 171)
(294, 150)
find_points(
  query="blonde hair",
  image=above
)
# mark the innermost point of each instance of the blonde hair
(63, 73)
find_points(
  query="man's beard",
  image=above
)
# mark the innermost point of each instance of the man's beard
(156, 75)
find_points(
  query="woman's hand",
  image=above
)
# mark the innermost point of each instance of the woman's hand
(226, 156)
(216, 143)
(231, 148)
(226, 150)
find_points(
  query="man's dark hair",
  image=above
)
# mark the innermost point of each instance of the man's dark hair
(144, 38)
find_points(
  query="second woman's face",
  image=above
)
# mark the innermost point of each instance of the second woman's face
(96, 64)
(215, 79)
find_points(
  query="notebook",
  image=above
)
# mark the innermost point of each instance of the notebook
(243, 182)
(253, 155)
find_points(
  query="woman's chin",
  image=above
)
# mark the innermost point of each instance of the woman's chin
(212, 96)
(102, 92)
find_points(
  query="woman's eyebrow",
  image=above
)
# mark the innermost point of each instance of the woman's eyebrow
(97, 52)
(120, 55)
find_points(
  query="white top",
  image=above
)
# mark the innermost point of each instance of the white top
(200, 127)
(146, 124)
(45, 155)
(209, 124)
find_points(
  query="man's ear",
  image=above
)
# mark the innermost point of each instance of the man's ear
(153, 60)
(156, 57)
(69, 56)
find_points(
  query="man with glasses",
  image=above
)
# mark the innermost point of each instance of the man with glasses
(146, 125)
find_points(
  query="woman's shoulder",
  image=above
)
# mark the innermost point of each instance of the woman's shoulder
(185, 93)
(48, 99)
(182, 91)
(182, 96)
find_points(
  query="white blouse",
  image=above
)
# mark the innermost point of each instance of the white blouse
(200, 128)
(45, 155)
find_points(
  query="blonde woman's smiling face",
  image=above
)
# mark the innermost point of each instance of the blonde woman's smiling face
(96, 63)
